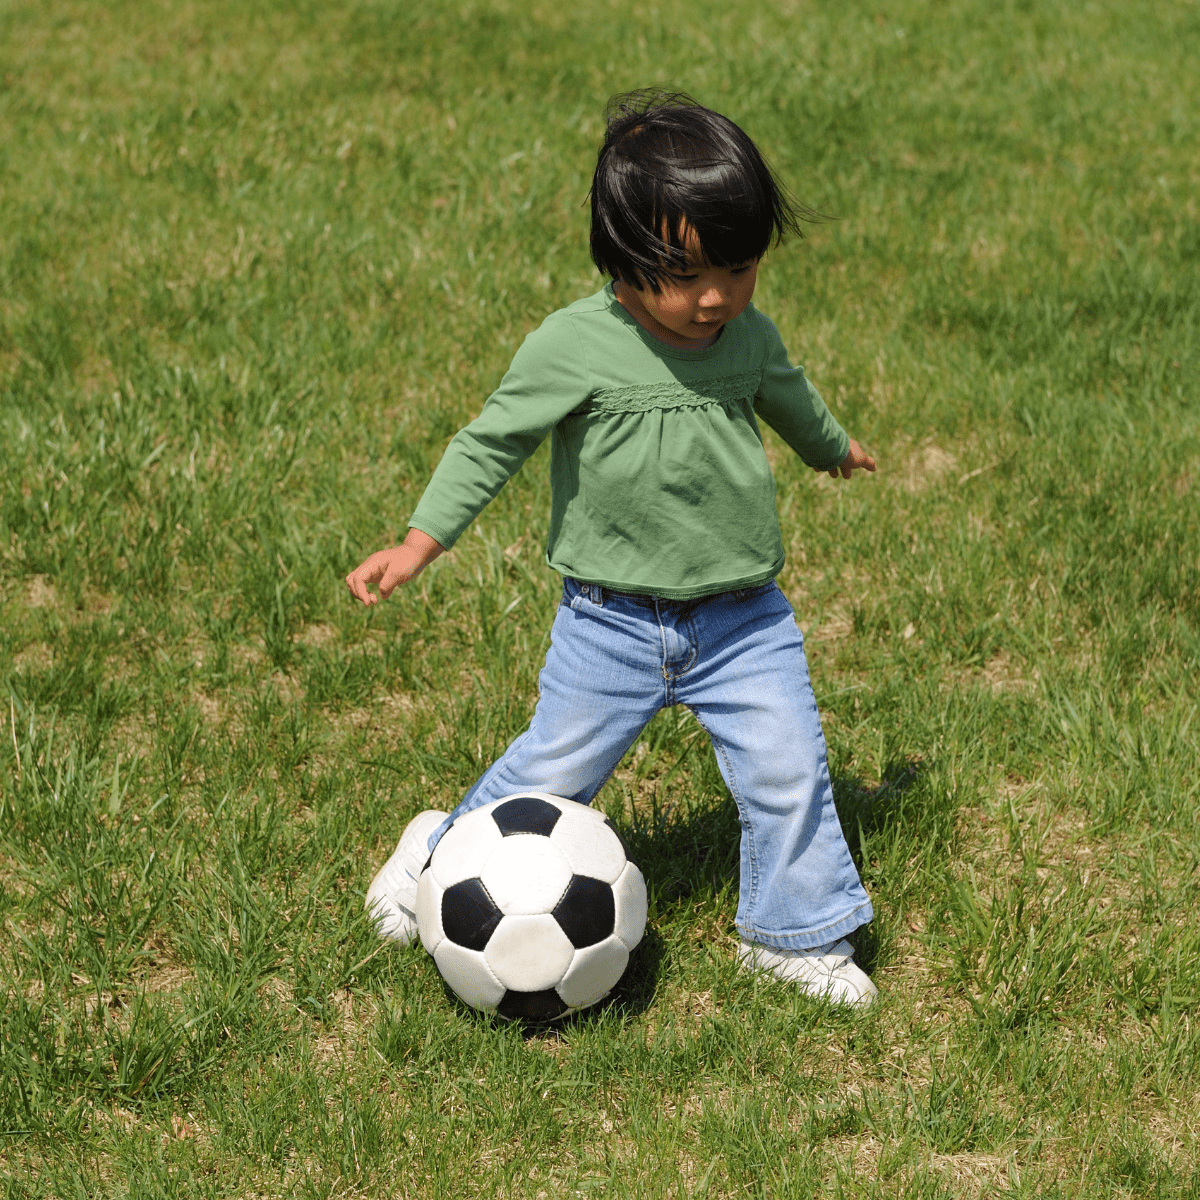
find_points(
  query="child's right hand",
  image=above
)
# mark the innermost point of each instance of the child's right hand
(390, 568)
(856, 459)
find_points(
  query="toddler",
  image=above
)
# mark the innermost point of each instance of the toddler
(664, 528)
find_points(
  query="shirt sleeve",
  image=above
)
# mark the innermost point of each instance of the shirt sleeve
(548, 378)
(789, 403)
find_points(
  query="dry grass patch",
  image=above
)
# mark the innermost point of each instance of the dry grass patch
(41, 593)
(344, 1034)
(35, 656)
(318, 635)
(833, 629)
(1002, 674)
(926, 466)
(167, 976)
(975, 1175)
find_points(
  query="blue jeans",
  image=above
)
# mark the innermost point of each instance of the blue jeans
(736, 660)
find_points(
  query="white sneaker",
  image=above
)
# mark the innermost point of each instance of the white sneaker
(827, 971)
(392, 896)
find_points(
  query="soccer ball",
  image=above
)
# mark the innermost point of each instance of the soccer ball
(530, 906)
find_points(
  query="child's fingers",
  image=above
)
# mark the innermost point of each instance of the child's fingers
(358, 588)
(857, 459)
(392, 578)
(360, 579)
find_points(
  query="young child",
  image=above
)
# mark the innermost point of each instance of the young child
(663, 525)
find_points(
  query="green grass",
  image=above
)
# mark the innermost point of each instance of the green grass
(257, 264)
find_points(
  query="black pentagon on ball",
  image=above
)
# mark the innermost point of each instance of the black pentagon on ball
(587, 912)
(468, 915)
(526, 814)
(531, 1006)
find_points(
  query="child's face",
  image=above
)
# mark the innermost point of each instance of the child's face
(693, 303)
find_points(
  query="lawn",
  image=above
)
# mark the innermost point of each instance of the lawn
(258, 262)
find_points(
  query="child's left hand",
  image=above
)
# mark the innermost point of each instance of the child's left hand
(857, 458)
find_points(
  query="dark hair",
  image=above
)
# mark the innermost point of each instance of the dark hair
(667, 164)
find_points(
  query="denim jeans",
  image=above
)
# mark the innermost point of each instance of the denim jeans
(736, 660)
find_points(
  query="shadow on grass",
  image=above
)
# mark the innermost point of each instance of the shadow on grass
(881, 811)
(691, 854)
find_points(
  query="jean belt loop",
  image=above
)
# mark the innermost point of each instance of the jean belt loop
(598, 595)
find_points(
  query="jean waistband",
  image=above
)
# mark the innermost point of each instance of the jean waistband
(598, 593)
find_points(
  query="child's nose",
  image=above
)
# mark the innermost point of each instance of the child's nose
(712, 297)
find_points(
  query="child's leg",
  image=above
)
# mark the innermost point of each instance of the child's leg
(601, 683)
(749, 687)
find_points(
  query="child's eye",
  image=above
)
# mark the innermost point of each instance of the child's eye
(682, 278)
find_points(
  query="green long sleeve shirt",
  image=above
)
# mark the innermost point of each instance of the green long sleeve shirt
(659, 481)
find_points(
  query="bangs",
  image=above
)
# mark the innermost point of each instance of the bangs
(731, 222)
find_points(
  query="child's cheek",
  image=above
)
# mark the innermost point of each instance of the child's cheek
(677, 305)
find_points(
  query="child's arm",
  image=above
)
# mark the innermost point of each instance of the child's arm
(856, 459)
(790, 404)
(548, 378)
(390, 568)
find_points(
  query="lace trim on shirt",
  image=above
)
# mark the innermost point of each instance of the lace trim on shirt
(642, 397)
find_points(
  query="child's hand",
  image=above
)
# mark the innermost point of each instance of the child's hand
(857, 458)
(390, 568)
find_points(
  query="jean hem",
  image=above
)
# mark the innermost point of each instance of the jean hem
(810, 939)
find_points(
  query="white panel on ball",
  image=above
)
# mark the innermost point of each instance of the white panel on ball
(468, 974)
(529, 954)
(464, 849)
(429, 912)
(629, 892)
(589, 846)
(594, 972)
(526, 874)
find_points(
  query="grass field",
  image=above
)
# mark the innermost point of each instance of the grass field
(257, 264)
